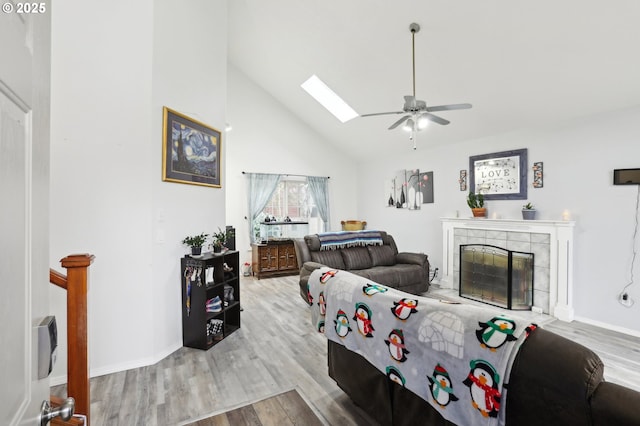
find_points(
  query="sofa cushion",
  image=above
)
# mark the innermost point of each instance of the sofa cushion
(356, 258)
(385, 275)
(408, 274)
(313, 242)
(382, 255)
(396, 276)
(331, 258)
(613, 404)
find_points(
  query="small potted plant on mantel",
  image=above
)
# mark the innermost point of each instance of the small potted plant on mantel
(195, 242)
(528, 211)
(476, 204)
(219, 238)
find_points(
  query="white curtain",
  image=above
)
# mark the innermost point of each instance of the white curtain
(261, 187)
(319, 187)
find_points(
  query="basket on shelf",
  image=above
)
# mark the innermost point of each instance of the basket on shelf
(353, 225)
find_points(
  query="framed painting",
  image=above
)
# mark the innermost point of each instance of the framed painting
(191, 150)
(414, 194)
(409, 189)
(426, 187)
(400, 185)
(499, 176)
(538, 177)
(462, 180)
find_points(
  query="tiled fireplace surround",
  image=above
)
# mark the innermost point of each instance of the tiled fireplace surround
(550, 241)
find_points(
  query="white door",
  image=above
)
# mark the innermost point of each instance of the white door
(25, 40)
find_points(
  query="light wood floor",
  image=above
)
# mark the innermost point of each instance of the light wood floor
(285, 409)
(277, 350)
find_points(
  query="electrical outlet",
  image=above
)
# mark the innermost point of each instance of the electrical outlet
(536, 309)
(625, 299)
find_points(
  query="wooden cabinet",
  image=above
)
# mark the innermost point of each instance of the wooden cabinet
(264, 259)
(210, 298)
(277, 257)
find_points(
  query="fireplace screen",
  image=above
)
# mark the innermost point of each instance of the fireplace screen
(496, 276)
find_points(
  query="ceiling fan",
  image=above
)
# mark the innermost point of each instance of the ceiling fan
(417, 112)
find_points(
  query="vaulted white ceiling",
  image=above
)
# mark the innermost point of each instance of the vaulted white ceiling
(521, 63)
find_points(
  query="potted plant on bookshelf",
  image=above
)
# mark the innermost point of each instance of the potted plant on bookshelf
(528, 212)
(219, 238)
(195, 242)
(476, 204)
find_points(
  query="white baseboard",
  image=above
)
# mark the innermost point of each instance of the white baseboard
(611, 327)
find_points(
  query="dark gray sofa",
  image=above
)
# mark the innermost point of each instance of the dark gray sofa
(408, 272)
(554, 382)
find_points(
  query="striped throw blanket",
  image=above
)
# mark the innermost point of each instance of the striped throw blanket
(344, 239)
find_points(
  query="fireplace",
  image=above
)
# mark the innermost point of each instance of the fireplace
(496, 276)
(550, 240)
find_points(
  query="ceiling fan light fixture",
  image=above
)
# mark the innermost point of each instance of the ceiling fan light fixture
(423, 122)
(322, 93)
(409, 125)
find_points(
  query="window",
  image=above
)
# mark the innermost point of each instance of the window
(291, 199)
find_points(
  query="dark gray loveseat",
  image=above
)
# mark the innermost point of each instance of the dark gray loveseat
(554, 382)
(408, 272)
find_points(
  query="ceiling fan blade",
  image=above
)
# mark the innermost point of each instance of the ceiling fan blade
(399, 122)
(382, 113)
(448, 107)
(434, 118)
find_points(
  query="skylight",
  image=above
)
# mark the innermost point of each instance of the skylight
(328, 99)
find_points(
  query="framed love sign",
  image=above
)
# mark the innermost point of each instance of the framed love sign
(499, 176)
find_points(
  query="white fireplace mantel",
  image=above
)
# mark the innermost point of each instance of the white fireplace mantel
(560, 251)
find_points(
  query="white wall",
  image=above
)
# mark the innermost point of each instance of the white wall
(267, 138)
(189, 76)
(114, 65)
(579, 158)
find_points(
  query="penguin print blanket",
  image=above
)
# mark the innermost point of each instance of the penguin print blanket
(457, 357)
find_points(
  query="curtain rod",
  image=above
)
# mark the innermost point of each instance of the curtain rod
(287, 174)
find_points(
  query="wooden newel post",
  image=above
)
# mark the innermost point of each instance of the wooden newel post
(77, 266)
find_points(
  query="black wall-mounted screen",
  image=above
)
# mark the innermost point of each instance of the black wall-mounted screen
(626, 177)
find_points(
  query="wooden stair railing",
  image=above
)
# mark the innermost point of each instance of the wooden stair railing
(75, 283)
